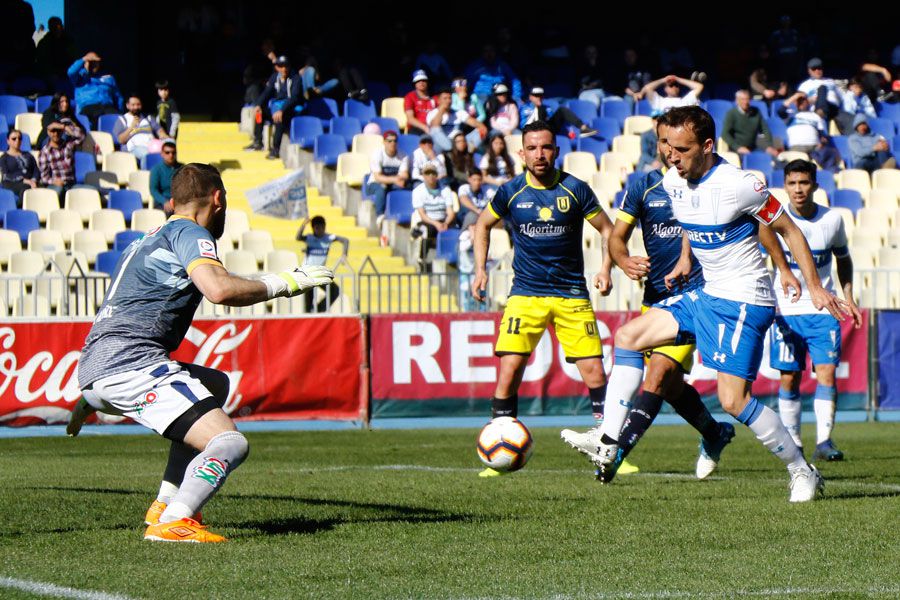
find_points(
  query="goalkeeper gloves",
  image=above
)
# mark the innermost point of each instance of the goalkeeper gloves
(293, 283)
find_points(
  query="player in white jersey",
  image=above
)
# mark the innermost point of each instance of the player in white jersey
(800, 327)
(720, 209)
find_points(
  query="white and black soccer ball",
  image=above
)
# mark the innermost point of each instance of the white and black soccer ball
(504, 444)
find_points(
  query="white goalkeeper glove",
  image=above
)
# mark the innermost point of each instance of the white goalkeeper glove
(293, 283)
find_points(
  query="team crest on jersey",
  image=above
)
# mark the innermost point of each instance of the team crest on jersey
(207, 248)
(562, 203)
(695, 200)
(545, 214)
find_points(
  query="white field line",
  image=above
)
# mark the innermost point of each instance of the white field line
(56, 591)
(666, 595)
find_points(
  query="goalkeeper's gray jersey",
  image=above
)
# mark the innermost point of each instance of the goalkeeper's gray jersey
(150, 303)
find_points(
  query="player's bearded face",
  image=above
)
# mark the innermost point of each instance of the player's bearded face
(538, 152)
(686, 153)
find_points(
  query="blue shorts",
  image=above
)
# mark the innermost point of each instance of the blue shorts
(793, 336)
(730, 335)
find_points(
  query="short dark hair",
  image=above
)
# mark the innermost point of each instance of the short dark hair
(801, 166)
(473, 171)
(162, 84)
(444, 90)
(699, 121)
(133, 95)
(538, 126)
(169, 144)
(195, 181)
(662, 119)
(317, 220)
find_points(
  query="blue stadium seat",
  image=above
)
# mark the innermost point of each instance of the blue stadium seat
(563, 150)
(4, 128)
(23, 221)
(883, 127)
(107, 261)
(42, 103)
(725, 91)
(617, 109)
(324, 109)
(386, 123)
(7, 202)
(107, 123)
(404, 87)
(27, 85)
(399, 206)
(150, 160)
(346, 127)
(843, 146)
(851, 199)
(762, 107)
(560, 89)
(890, 111)
(594, 145)
(448, 245)
(124, 238)
(717, 108)
(11, 106)
(361, 110)
(643, 107)
(408, 142)
(85, 122)
(825, 179)
(585, 110)
(776, 179)
(378, 91)
(126, 201)
(564, 143)
(84, 163)
(607, 128)
(777, 128)
(305, 130)
(327, 147)
(760, 161)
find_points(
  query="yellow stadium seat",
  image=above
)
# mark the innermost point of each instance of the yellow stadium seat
(89, 242)
(280, 260)
(109, 221)
(854, 179)
(393, 107)
(30, 123)
(630, 145)
(123, 164)
(789, 155)
(40, 200)
(732, 158)
(886, 179)
(367, 143)
(616, 163)
(139, 181)
(240, 262)
(65, 221)
(637, 124)
(10, 242)
(582, 165)
(104, 142)
(145, 219)
(46, 241)
(351, 168)
(84, 201)
(31, 305)
(236, 222)
(889, 258)
(883, 198)
(258, 242)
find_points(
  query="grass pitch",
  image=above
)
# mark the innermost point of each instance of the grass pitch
(402, 514)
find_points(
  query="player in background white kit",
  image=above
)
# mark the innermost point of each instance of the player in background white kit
(801, 328)
(720, 209)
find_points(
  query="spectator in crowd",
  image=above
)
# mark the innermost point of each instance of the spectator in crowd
(59, 111)
(434, 204)
(560, 118)
(764, 89)
(745, 128)
(19, 169)
(96, 92)
(869, 151)
(875, 80)
(786, 47)
(826, 155)
(854, 101)
(57, 158)
(463, 100)
(442, 120)
(167, 114)
(633, 74)
(426, 155)
(488, 71)
(418, 103)
(804, 127)
(311, 78)
(434, 64)
(318, 244)
(823, 92)
(473, 197)
(283, 90)
(466, 267)
(590, 76)
(502, 111)
(56, 50)
(390, 171)
(459, 160)
(893, 97)
(672, 89)
(161, 177)
(649, 152)
(497, 165)
(135, 130)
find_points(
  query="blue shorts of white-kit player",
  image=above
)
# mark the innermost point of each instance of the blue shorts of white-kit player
(730, 335)
(793, 336)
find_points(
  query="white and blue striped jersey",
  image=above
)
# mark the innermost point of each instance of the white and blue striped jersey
(825, 234)
(720, 213)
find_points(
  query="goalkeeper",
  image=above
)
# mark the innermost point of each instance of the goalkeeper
(125, 367)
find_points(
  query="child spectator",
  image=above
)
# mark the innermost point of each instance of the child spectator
(167, 114)
(318, 243)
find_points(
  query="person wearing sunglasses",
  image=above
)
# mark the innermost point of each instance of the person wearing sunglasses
(57, 158)
(19, 169)
(161, 177)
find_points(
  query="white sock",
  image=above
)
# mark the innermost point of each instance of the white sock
(789, 411)
(176, 511)
(823, 405)
(769, 430)
(167, 491)
(624, 381)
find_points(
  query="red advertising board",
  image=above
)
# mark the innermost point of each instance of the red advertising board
(422, 357)
(308, 368)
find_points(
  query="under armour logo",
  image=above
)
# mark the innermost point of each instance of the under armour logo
(719, 357)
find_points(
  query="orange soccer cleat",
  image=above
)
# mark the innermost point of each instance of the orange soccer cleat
(156, 510)
(182, 530)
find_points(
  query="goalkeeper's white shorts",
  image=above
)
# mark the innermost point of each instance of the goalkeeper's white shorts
(154, 396)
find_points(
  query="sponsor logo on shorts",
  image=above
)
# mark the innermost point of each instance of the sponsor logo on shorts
(719, 357)
(207, 248)
(590, 329)
(213, 471)
(149, 398)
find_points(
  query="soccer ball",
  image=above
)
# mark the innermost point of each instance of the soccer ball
(504, 444)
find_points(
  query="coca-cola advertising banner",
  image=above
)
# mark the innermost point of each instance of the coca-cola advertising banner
(440, 357)
(307, 368)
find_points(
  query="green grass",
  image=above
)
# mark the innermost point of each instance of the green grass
(345, 515)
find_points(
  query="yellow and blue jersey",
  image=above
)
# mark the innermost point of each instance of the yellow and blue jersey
(546, 223)
(646, 203)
